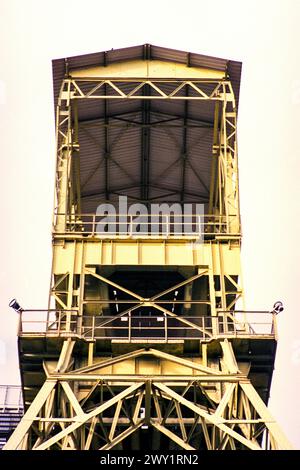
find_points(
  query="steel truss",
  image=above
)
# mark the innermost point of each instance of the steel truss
(203, 409)
(222, 89)
(63, 293)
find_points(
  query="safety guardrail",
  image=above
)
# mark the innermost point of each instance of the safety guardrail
(132, 327)
(163, 226)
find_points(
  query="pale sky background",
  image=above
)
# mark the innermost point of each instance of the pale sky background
(265, 36)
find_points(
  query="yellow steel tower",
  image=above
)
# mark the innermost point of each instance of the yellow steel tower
(145, 343)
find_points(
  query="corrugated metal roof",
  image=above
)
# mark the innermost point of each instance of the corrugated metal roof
(125, 152)
(137, 52)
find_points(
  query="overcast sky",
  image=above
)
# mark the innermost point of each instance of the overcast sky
(265, 36)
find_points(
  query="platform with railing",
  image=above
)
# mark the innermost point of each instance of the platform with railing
(11, 410)
(138, 328)
(152, 226)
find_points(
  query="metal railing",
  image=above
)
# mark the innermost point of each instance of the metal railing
(147, 226)
(11, 410)
(145, 328)
(11, 398)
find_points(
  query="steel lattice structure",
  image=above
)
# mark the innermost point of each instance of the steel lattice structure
(143, 344)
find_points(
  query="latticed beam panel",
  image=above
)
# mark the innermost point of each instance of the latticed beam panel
(93, 89)
(182, 408)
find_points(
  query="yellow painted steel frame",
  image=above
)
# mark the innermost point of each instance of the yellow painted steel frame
(233, 418)
(103, 398)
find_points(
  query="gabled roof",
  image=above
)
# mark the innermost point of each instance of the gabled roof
(163, 163)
